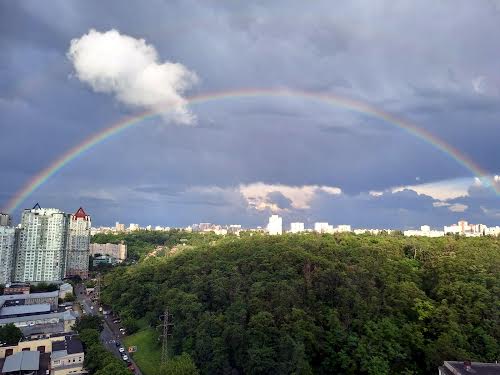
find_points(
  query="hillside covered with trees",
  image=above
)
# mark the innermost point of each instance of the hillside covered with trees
(320, 304)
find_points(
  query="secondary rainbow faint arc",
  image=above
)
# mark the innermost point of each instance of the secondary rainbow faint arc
(331, 99)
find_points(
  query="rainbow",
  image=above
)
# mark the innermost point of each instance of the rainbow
(338, 101)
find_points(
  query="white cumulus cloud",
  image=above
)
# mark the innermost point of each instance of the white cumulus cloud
(131, 70)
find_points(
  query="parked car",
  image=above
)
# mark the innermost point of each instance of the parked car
(125, 357)
(121, 350)
(117, 343)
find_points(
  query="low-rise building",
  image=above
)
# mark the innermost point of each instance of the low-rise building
(468, 367)
(55, 355)
(40, 323)
(50, 298)
(65, 289)
(19, 288)
(117, 251)
(67, 357)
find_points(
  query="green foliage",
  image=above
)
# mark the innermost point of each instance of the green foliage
(140, 243)
(70, 297)
(10, 334)
(43, 287)
(113, 368)
(97, 360)
(320, 303)
(179, 365)
(88, 322)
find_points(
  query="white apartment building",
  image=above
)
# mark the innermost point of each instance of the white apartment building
(343, 228)
(40, 253)
(323, 228)
(77, 256)
(425, 231)
(493, 231)
(7, 239)
(133, 227)
(297, 227)
(119, 227)
(466, 229)
(275, 225)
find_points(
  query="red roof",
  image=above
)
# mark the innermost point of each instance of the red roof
(80, 213)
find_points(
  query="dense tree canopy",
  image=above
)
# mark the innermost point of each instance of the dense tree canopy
(10, 334)
(98, 360)
(322, 303)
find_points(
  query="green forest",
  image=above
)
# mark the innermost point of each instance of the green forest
(320, 304)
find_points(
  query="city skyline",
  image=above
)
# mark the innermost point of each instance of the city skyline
(212, 116)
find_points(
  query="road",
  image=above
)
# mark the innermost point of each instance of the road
(110, 333)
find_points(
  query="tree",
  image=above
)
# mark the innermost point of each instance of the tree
(113, 368)
(70, 297)
(179, 365)
(10, 334)
(88, 322)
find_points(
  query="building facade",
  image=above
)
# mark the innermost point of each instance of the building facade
(5, 220)
(78, 250)
(117, 251)
(296, 227)
(7, 240)
(275, 225)
(40, 251)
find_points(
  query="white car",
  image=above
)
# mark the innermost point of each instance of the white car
(121, 350)
(125, 357)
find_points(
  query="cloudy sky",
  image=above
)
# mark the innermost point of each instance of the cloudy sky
(71, 69)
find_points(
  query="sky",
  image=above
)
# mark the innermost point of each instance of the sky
(71, 69)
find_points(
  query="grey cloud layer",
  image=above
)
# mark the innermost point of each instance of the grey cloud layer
(409, 58)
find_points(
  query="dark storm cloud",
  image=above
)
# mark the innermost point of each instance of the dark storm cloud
(279, 200)
(412, 60)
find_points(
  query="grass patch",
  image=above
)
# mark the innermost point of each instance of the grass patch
(148, 353)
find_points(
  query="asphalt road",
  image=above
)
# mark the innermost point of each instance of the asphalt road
(110, 333)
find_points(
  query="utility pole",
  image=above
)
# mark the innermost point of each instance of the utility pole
(166, 324)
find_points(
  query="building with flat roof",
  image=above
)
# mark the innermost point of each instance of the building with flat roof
(22, 363)
(18, 288)
(29, 323)
(52, 298)
(117, 251)
(468, 367)
(24, 310)
(296, 227)
(67, 356)
(275, 225)
(56, 355)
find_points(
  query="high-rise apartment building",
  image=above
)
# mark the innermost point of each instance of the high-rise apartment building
(7, 239)
(5, 220)
(77, 255)
(41, 246)
(296, 227)
(119, 227)
(275, 225)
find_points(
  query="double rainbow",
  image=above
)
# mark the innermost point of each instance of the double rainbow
(338, 101)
